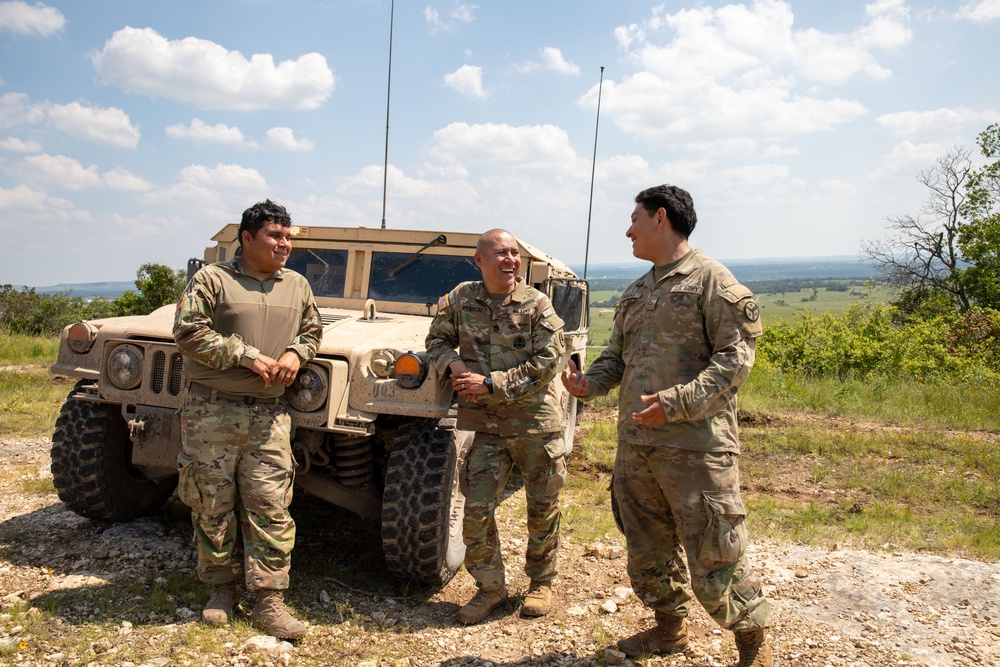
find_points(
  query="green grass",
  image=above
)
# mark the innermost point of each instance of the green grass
(907, 402)
(789, 305)
(30, 396)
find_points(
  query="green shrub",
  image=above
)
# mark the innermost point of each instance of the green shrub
(874, 340)
(28, 313)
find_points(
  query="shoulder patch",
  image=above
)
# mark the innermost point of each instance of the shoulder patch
(444, 302)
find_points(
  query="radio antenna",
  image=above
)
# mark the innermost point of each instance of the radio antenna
(593, 168)
(388, 91)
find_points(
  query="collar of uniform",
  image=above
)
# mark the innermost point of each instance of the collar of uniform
(516, 296)
(238, 268)
(684, 266)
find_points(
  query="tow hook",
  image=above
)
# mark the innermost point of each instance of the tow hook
(137, 427)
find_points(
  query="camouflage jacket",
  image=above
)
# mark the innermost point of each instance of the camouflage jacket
(689, 338)
(226, 318)
(518, 343)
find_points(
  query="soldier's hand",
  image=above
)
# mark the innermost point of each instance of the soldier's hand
(469, 385)
(575, 381)
(653, 414)
(286, 368)
(263, 366)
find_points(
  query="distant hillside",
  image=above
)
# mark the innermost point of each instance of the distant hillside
(746, 270)
(108, 290)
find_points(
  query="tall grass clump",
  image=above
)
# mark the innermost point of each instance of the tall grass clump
(872, 361)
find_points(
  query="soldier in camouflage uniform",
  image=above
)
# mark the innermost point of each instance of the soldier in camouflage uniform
(501, 344)
(681, 346)
(244, 327)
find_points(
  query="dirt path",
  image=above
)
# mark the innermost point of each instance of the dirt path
(90, 580)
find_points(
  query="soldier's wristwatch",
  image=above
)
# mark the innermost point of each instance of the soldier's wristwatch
(488, 383)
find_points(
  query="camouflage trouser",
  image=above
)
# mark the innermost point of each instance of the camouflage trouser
(670, 499)
(236, 474)
(488, 464)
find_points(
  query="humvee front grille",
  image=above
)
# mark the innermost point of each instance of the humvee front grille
(159, 363)
(160, 372)
(176, 364)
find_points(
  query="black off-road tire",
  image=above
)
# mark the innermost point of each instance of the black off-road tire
(422, 506)
(91, 467)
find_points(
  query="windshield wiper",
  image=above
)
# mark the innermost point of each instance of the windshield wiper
(440, 240)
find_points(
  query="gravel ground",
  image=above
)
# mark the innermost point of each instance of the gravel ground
(75, 592)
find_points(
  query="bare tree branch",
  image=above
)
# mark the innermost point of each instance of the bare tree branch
(921, 252)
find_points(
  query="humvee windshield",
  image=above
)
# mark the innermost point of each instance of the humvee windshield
(395, 276)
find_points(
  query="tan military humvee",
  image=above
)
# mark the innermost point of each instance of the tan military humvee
(373, 426)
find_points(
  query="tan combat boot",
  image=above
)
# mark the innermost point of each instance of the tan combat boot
(538, 600)
(479, 607)
(753, 647)
(270, 615)
(669, 635)
(220, 605)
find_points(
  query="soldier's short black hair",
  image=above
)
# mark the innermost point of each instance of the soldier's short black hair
(260, 213)
(677, 203)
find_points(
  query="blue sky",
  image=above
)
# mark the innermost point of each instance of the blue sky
(132, 131)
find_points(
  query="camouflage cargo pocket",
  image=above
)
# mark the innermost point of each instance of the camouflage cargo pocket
(187, 487)
(725, 538)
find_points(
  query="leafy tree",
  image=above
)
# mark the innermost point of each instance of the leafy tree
(157, 286)
(979, 239)
(29, 313)
(922, 254)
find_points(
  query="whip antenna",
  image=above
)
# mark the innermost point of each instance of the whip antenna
(388, 90)
(593, 168)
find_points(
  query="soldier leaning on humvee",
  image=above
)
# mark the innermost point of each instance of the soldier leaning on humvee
(502, 345)
(681, 346)
(244, 327)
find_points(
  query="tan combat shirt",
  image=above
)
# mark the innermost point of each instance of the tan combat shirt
(518, 343)
(226, 318)
(688, 337)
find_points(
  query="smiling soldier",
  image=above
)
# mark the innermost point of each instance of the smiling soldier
(244, 327)
(682, 344)
(501, 344)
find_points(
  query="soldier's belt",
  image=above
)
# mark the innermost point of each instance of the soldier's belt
(214, 394)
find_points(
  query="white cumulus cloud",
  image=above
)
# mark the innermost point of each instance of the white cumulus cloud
(943, 121)
(980, 11)
(459, 14)
(206, 75)
(746, 70)
(502, 145)
(107, 125)
(17, 145)
(24, 18)
(201, 132)
(284, 139)
(554, 60)
(60, 171)
(467, 80)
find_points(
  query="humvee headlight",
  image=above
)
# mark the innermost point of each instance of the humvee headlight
(383, 363)
(308, 392)
(410, 370)
(80, 337)
(125, 367)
